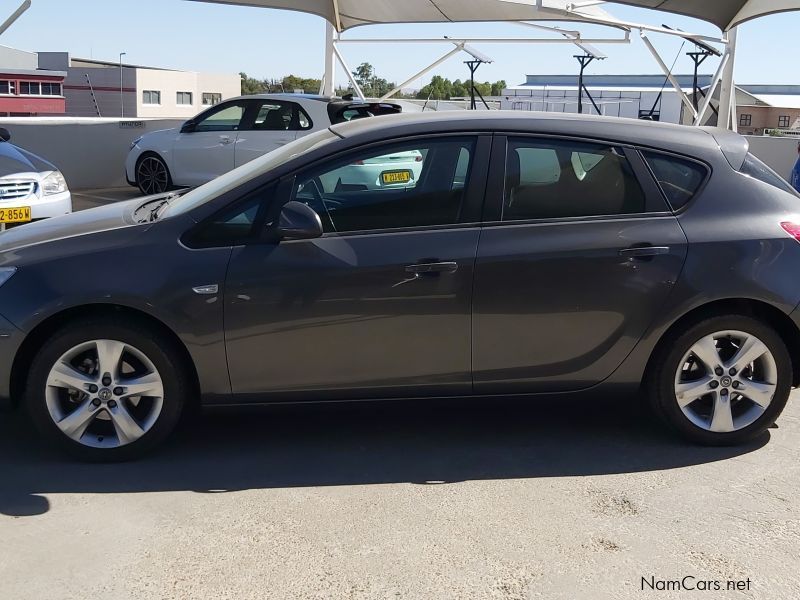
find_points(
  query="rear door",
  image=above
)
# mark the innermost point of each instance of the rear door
(269, 124)
(578, 254)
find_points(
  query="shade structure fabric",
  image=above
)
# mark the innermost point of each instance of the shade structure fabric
(344, 14)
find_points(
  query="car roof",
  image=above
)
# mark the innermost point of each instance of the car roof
(679, 138)
(285, 96)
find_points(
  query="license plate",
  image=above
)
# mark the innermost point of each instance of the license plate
(399, 176)
(21, 214)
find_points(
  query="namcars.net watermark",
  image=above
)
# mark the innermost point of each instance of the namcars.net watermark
(691, 583)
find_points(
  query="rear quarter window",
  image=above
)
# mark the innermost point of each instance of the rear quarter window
(753, 167)
(679, 178)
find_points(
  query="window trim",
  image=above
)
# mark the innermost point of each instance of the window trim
(25, 82)
(655, 204)
(745, 120)
(700, 189)
(178, 95)
(475, 191)
(787, 119)
(220, 101)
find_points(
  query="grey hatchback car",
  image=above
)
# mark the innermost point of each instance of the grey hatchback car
(528, 255)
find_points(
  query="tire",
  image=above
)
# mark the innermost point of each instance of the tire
(152, 175)
(698, 400)
(119, 425)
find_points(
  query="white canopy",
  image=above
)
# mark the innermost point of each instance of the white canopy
(344, 14)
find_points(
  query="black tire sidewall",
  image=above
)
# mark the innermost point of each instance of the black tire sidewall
(158, 350)
(663, 390)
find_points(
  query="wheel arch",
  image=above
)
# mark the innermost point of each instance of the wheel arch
(774, 317)
(152, 154)
(39, 334)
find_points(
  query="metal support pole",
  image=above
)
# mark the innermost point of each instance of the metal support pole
(329, 80)
(726, 87)
(353, 82)
(459, 47)
(684, 98)
(16, 15)
(121, 87)
(698, 120)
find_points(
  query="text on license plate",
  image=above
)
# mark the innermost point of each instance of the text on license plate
(20, 214)
(399, 176)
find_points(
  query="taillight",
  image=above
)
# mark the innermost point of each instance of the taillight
(793, 229)
(418, 158)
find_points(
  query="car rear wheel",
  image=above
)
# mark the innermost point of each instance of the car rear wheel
(152, 175)
(722, 381)
(104, 391)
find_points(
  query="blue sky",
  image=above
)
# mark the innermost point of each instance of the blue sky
(269, 43)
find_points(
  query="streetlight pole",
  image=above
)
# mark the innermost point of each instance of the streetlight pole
(121, 91)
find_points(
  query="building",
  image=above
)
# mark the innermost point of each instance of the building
(100, 88)
(25, 89)
(633, 96)
(764, 109)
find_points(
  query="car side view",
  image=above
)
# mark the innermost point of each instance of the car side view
(531, 255)
(234, 132)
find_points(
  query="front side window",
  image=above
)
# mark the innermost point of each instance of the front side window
(184, 98)
(679, 178)
(30, 88)
(232, 226)
(211, 98)
(551, 179)
(416, 184)
(745, 119)
(151, 97)
(226, 118)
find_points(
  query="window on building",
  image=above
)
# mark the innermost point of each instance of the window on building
(6, 87)
(151, 97)
(211, 98)
(552, 179)
(745, 119)
(30, 88)
(51, 89)
(783, 121)
(185, 98)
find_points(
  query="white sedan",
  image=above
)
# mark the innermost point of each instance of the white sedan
(233, 133)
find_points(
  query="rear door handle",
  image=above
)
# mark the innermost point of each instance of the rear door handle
(432, 267)
(643, 251)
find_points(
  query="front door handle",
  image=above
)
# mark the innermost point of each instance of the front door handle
(225, 141)
(643, 251)
(432, 267)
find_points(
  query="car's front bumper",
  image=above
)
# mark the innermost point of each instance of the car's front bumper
(44, 207)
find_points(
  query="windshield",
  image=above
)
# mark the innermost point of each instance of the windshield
(240, 175)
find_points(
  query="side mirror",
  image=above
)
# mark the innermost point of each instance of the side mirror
(298, 222)
(5, 135)
(188, 127)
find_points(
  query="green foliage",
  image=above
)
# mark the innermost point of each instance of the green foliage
(251, 85)
(369, 82)
(441, 88)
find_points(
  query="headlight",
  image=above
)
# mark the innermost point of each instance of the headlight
(136, 141)
(6, 273)
(54, 183)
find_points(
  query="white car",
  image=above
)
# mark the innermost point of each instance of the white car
(233, 133)
(30, 187)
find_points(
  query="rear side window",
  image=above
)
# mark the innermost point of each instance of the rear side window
(679, 178)
(550, 179)
(756, 169)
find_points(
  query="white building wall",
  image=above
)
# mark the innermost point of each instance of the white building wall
(169, 83)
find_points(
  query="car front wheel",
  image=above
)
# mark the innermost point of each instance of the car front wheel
(104, 391)
(722, 381)
(152, 175)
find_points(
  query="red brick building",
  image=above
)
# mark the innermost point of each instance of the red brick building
(33, 93)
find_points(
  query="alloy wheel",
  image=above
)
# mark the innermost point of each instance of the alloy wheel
(152, 176)
(104, 394)
(726, 381)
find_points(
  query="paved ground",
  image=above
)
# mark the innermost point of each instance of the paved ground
(464, 500)
(457, 500)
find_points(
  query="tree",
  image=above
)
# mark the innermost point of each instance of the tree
(251, 85)
(370, 83)
(498, 87)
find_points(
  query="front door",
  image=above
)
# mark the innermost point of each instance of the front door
(206, 149)
(580, 256)
(380, 306)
